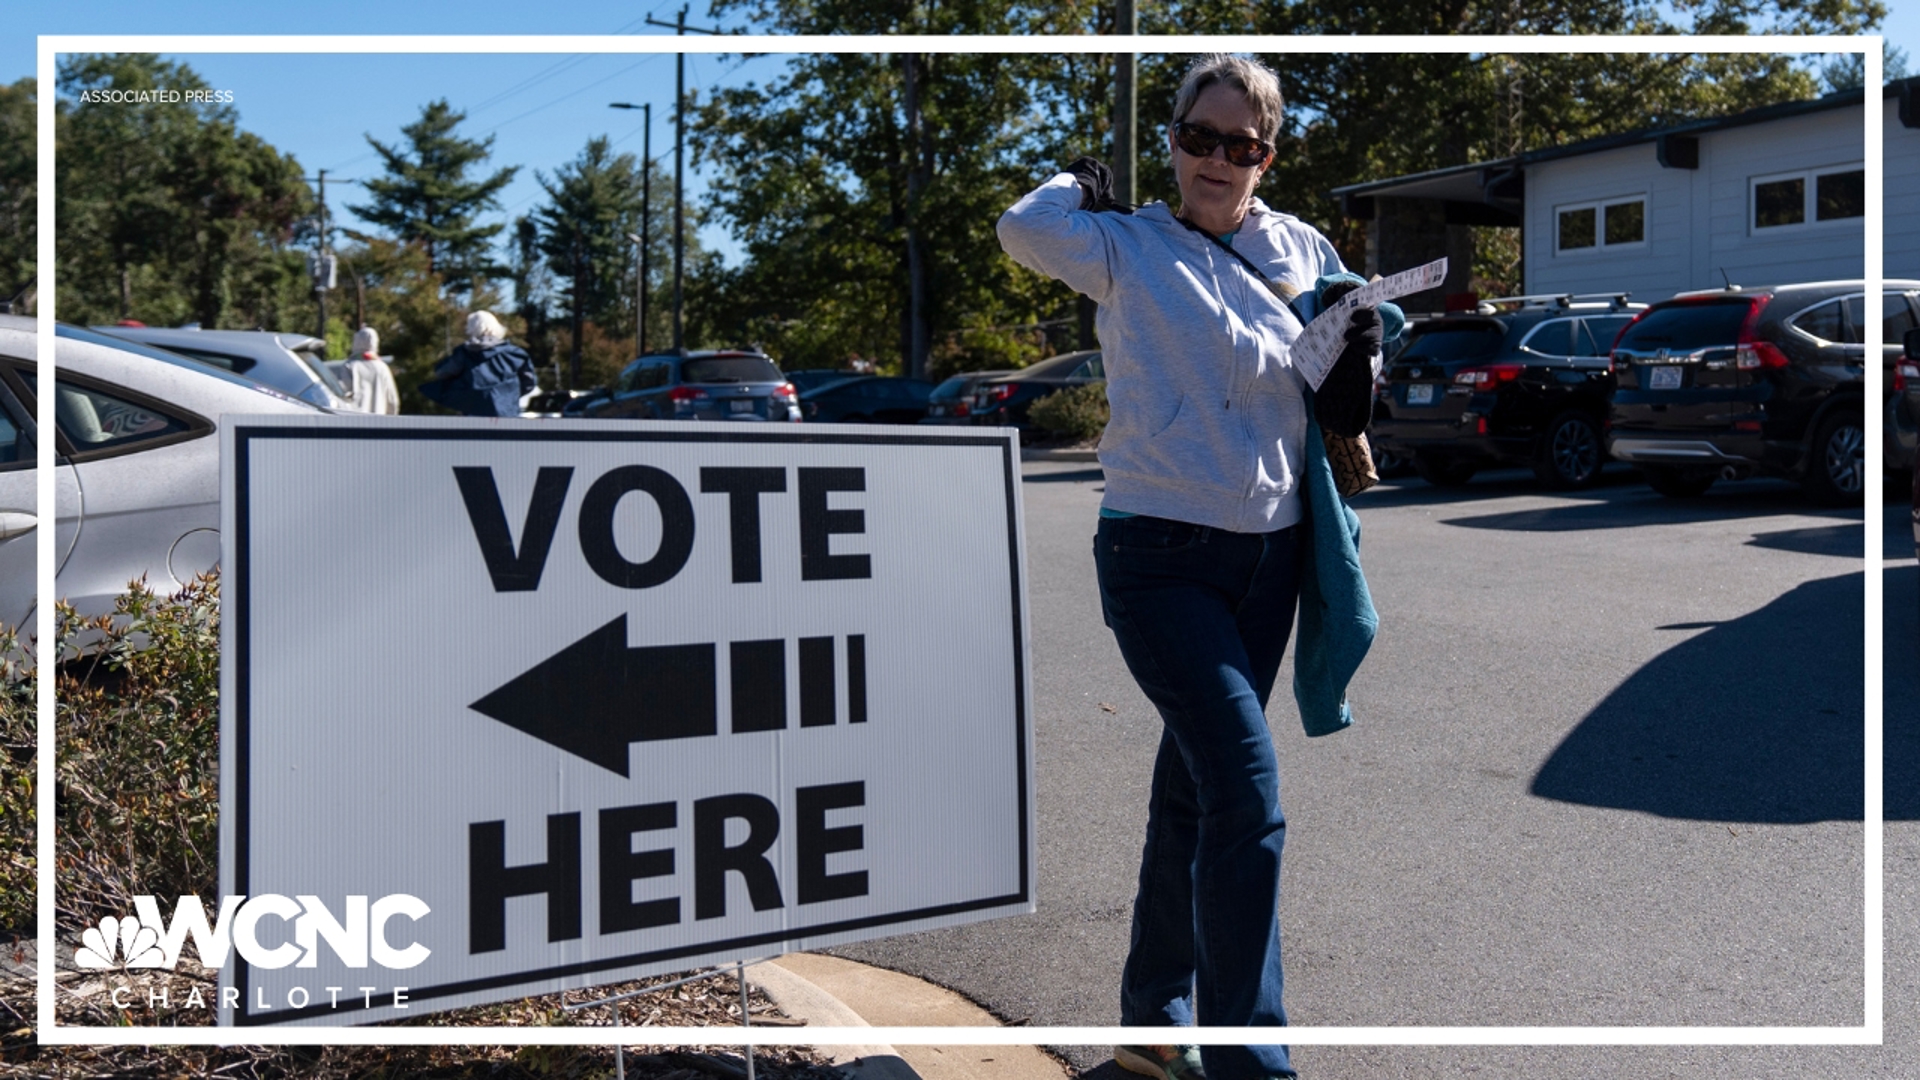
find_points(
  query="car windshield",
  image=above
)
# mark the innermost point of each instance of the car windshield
(954, 387)
(1442, 343)
(321, 371)
(94, 337)
(1685, 327)
(730, 369)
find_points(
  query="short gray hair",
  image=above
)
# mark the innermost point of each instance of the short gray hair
(1250, 77)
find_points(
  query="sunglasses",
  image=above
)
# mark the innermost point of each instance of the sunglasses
(1199, 140)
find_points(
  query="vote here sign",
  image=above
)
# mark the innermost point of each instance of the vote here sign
(609, 699)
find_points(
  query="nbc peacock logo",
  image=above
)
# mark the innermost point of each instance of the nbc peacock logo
(118, 943)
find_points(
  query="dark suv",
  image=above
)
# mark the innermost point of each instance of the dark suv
(1521, 380)
(1737, 382)
(720, 384)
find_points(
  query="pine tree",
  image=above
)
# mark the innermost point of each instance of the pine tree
(428, 197)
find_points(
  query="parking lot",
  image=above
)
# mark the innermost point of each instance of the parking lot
(1606, 771)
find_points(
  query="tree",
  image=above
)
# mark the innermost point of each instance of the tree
(428, 199)
(190, 217)
(18, 205)
(594, 202)
(868, 211)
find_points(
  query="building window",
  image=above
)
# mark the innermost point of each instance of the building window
(1604, 224)
(1797, 199)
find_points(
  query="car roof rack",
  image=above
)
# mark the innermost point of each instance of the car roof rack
(1563, 301)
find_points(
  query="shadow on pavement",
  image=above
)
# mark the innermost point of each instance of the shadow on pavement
(1900, 693)
(1759, 719)
(1846, 541)
(1078, 476)
(1636, 505)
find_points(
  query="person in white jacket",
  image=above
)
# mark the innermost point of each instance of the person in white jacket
(1198, 542)
(369, 377)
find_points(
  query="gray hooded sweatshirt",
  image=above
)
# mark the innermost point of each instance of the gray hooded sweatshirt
(1208, 421)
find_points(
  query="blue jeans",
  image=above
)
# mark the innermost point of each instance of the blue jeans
(1202, 617)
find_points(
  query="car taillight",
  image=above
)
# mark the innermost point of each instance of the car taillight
(784, 392)
(1489, 375)
(1905, 374)
(686, 395)
(1750, 355)
(960, 408)
(997, 392)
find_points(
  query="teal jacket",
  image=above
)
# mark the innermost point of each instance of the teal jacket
(1337, 621)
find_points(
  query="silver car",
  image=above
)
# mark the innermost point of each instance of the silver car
(138, 474)
(290, 363)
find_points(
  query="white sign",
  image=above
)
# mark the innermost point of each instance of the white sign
(610, 699)
(1320, 344)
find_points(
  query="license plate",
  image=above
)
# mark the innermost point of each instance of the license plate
(741, 405)
(1420, 394)
(1663, 378)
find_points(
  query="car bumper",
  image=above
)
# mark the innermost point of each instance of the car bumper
(1648, 449)
(1454, 438)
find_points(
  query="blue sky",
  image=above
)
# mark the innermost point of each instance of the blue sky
(540, 108)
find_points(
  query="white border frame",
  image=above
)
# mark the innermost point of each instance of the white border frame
(1871, 1030)
(1809, 200)
(1600, 208)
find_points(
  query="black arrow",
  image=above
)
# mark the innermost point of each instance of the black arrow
(597, 695)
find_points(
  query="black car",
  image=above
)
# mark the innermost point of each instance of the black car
(718, 384)
(1902, 442)
(1520, 380)
(1738, 382)
(952, 401)
(876, 399)
(1004, 401)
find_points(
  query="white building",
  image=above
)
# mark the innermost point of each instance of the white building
(1768, 196)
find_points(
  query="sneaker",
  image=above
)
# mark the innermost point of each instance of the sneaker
(1161, 1062)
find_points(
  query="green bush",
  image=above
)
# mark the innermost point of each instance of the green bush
(16, 787)
(137, 738)
(1078, 413)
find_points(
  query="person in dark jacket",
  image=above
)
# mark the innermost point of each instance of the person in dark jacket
(486, 376)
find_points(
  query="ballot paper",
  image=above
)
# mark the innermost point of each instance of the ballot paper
(1319, 345)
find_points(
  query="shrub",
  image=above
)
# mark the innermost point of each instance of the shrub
(1079, 412)
(137, 733)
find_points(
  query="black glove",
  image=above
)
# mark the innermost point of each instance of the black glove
(1096, 186)
(1344, 402)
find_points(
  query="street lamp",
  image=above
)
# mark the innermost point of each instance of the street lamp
(646, 222)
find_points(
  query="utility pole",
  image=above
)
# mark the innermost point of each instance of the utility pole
(573, 367)
(645, 239)
(322, 269)
(1126, 106)
(320, 261)
(680, 29)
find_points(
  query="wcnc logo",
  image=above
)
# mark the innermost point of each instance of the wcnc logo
(149, 941)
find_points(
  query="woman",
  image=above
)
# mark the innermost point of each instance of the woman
(486, 375)
(369, 377)
(1199, 547)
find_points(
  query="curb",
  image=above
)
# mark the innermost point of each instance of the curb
(802, 1000)
(824, 989)
(1059, 455)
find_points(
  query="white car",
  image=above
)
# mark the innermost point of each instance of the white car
(290, 363)
(138, 470)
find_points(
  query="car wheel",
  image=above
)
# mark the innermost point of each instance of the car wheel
(1569, 454)
(1678, 483)
(1443, 471)
(1836, 475)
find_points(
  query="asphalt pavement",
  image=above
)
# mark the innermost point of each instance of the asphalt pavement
(1606, 771)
